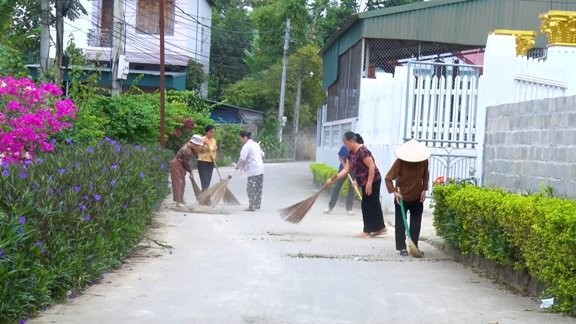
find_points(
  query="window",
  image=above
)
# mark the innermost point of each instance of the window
(148, 18)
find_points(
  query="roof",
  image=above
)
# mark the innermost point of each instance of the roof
(465, 22)
(433, 27)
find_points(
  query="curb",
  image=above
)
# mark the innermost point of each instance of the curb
(521, 281)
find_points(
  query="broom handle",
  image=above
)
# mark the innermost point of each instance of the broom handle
(401, 203)
(214, 161)
(355, 187)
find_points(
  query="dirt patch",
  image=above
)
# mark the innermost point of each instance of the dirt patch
(362, 258)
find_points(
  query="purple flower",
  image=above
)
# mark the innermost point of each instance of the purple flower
(5, 165)
(22, 321)
(27, 162)
(137, 146)
(62, 170)
(114, 166)
(23, 175)
(141, 175)
(2, 253)
(82, 207)
(107, 139)
(53, 141)
(68, 141)
(22, 220)
(113, 182)
(5, 172)
(88, 218)
(97, 197)
(76, 188)
(39, 244)
(162, 166)
(125, 206)
(90, 149)
(39, 160)
(36, 186)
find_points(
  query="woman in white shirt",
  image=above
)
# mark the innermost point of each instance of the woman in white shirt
(251, 165)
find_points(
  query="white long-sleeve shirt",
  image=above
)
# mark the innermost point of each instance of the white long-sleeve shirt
(250, 161)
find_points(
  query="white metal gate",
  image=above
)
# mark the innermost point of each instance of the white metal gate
(441, 112)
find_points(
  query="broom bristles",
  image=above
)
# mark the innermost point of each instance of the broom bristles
(195, 188)
(229, 198)
(414, 251)
(295, 213)
(206, 195)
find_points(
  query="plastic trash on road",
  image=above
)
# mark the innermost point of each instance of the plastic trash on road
(546, 303)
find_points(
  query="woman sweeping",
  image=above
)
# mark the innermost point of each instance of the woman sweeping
(206, 158)
(252, 166)
(361, 162)
(180, 165)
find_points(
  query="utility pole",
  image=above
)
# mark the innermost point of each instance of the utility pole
(283, 82)
(45, 36)
(60, 8)
(296, 120)
(162, 79)
(117, 46)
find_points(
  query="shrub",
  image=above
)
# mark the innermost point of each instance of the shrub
(30, 114)
(530, 232)
(69, 216)
(323, 172)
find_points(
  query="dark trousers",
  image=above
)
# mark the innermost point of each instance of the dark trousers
(372, 209)
(336, 193)
(415, 208)
(205, 170)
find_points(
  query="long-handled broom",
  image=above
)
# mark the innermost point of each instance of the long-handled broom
(414, 251)
(228, 197)
(195, 186)
(217, 192)
(295, 213)
(353, 184)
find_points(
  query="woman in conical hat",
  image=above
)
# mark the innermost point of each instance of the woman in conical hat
(410, 174)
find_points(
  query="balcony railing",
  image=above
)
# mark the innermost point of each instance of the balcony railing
(100, 37)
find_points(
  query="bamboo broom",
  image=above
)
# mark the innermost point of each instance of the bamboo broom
(414, 251)
(295, 213)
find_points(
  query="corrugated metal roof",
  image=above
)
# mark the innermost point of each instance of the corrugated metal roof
(463, 22)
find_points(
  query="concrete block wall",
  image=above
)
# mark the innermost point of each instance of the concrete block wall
(532, 144)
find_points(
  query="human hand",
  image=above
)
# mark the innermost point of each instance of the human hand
(368, 189)
(422, 196)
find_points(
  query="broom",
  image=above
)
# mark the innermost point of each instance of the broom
(295, 213)
(217, 192)
(228, 197)
(195, 186)
(414, 251)
(353, 184)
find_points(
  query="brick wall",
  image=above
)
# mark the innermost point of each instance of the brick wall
(531, 144)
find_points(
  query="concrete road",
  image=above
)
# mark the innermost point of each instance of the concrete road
(253, 267)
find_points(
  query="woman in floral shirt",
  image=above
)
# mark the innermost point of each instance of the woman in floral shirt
(361, 162)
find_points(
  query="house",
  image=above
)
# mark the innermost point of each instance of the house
(413, 71)
(187, 36)
(229, 114)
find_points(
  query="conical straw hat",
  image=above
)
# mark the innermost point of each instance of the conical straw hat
(413, 151)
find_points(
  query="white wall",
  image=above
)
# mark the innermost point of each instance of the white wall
(142, 48)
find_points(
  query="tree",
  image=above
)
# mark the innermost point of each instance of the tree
(194, 75)
(231, 36)
(20, 26)
(379, 4)
(333, 17)
(260, 92)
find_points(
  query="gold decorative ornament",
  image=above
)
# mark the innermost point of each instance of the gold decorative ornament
(560, 27)
(525, 39)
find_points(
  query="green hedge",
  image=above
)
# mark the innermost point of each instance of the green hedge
(323, 172)
(72, 215)
(531, 232)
